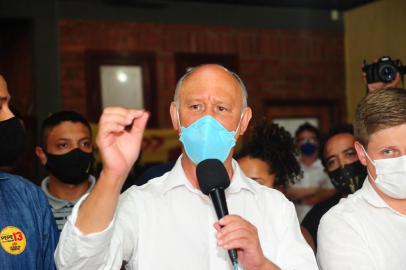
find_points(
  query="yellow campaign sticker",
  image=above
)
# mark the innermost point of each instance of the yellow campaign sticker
(13, 240)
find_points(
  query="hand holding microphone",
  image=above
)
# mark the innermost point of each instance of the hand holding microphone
(235, 234)
(213, 180)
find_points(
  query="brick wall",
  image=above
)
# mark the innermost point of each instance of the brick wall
(274, 63)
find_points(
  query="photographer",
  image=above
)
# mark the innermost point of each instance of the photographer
(383, 73)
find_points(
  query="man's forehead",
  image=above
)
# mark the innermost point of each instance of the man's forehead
(202, 82)
(307, 134)
(66, 128)
(340, 142)
(211, 72)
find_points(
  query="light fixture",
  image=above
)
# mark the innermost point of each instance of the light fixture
(122, 76)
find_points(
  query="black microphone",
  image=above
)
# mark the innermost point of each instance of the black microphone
(213, 180)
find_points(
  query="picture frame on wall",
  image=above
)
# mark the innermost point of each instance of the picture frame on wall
(120, 79)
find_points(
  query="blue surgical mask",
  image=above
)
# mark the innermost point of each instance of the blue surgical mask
(206, 138)
(308, 148)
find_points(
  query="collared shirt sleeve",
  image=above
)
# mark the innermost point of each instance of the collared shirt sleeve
(294, 252)
(340, 246)
(103, 250)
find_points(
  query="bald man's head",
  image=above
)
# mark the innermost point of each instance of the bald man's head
(214, 68)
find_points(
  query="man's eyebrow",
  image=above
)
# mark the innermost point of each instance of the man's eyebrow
(63, 139)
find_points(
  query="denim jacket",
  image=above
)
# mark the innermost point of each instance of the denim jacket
(28, 233)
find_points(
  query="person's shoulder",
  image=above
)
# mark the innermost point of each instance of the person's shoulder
(17, 181)
(348, 211)
(153, 186)
(26, 190)
(266, 193)
(320, 209)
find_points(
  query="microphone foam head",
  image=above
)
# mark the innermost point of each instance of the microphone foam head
(212, 174)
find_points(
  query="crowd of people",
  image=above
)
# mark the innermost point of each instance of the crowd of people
(334, 201)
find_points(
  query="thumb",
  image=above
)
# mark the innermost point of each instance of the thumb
(139, 124)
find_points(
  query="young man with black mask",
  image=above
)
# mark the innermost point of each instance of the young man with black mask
(28, 233)
(66, 152)
(315, 186)
(346, 173)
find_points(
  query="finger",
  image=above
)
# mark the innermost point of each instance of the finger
(237, 234)
(123, 120)
(243, 243)
(139, 123)
(109, 128)
(230, 228)
(124, 111)
(119, 115)
(229, 219)
(217, 226)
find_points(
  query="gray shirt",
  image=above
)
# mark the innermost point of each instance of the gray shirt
(61, 209)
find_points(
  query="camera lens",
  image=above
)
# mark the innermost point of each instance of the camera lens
(387, 72)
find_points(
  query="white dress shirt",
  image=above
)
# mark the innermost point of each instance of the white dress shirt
(167, 224)
(362, 233)
(313, 176)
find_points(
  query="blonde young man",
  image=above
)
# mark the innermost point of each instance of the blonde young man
(168, 223)
(368, 229)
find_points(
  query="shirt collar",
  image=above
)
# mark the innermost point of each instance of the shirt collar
(58, 203)
(371, 196)
(176, 177)
(239, 181)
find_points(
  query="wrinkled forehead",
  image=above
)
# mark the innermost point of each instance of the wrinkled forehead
(211, 80)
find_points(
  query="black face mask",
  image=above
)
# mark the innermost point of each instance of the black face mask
(12, 141)
(72, 167)
(350, 178)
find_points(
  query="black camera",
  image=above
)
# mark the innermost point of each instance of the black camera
(384, 70)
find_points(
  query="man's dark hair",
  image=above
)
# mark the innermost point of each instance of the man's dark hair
(273, 145)
(57, 118)
(339, 129)
(307, 127)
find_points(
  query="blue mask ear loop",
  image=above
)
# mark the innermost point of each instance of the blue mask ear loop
(239, 123)
(177, 114)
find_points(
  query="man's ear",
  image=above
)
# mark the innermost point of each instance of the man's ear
(41, 155)
(360, 153)
(245, 120)
(174, 116)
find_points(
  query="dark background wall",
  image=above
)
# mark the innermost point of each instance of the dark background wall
(282, 53)
(274, 63)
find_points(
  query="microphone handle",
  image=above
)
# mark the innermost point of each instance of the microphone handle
(218, 198)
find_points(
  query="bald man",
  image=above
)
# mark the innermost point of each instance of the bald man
(169, 223)
(28, 233)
